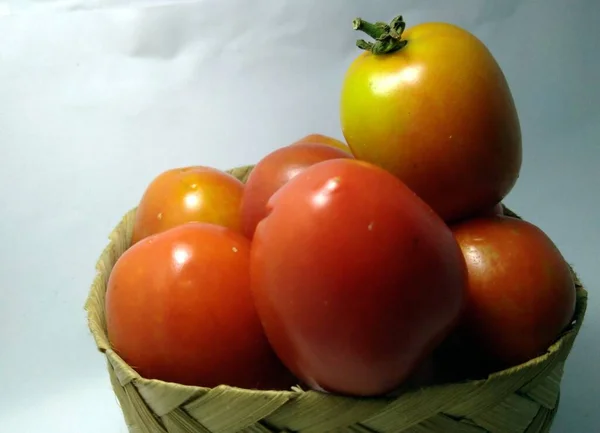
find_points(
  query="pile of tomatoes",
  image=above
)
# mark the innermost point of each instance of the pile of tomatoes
(351, 267)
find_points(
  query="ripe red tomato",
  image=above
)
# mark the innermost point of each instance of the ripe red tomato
(521, 291)
(181, 195)
(179, 309)
(355, 279)
(323, 139)
(497, 210)
(273, 171)
(433, 107)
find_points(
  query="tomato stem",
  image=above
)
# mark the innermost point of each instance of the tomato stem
(388, 37)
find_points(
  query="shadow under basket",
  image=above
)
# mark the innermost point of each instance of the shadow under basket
(522, 399)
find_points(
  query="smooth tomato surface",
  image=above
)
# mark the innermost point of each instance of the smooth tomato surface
(355, 278)
(323, 139)
(181, 195)
(179, 309)
(273, 171)
(521, 291)
(439, 115)
(497, 210)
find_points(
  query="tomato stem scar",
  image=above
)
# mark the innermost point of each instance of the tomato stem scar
(388, 37)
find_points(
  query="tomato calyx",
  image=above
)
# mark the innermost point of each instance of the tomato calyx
(388, 37)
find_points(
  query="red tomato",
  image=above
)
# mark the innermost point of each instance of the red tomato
(179, 309)
(323, 139)
(521, 291)
(431, 105)
(273, 171)
(497, 210)
(181, 195)
(355, 279)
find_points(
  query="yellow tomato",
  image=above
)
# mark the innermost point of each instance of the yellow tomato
(432, 106)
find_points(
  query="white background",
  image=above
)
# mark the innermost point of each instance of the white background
(98, 97)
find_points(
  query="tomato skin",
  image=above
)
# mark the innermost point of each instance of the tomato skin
(323, 139)
(179, 309)
(521, 291)
(497, 210)
(186, 194)
(438, 114)
(273, 171)
(355, 279)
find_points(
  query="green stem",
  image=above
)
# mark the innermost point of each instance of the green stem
(374, 30)
(388, 37)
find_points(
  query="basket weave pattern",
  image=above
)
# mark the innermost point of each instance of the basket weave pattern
(522, 399)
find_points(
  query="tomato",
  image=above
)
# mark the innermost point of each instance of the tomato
(179, 309)
(433, 107)
(354, 277)
(273, 171)
(325, 140)
(497, 210)
(521, 291)
(181, 195)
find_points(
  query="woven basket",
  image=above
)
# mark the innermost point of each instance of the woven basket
(518, 400)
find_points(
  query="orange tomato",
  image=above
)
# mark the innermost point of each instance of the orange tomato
(181, 195)
(432, 106)
(179, 308)
(497, 210)
(323, 139)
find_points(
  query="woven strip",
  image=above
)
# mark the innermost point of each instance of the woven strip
(523, 399)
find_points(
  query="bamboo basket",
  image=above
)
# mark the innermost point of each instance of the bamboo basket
(522, 399)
